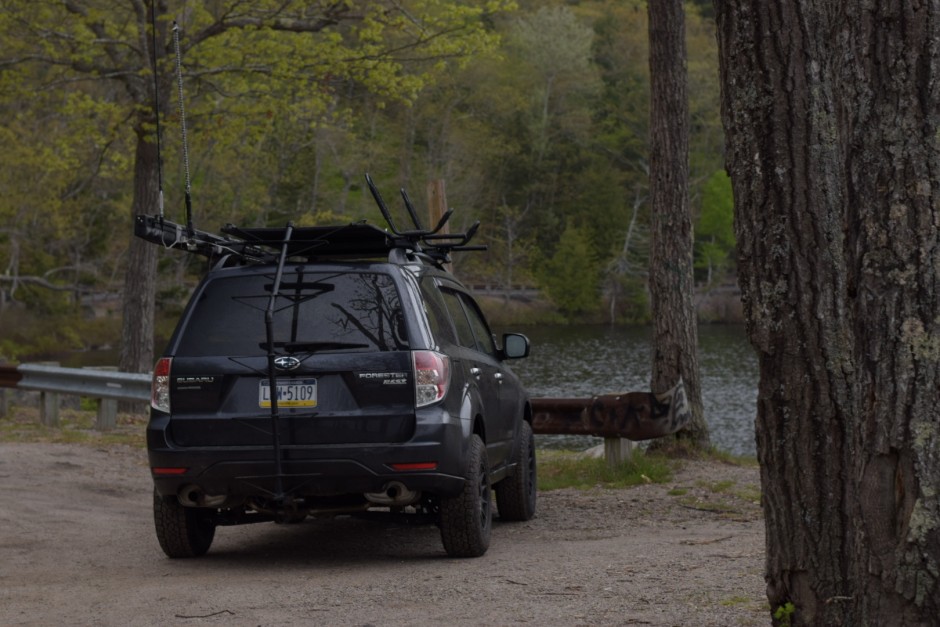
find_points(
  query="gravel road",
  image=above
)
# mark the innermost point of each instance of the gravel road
(77, 547)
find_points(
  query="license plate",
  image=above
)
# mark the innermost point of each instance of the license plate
(292, 393)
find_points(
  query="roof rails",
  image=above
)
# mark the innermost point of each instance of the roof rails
(265, 244)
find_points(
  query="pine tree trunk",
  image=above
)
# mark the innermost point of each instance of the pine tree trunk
(675, 336)
(831, 114)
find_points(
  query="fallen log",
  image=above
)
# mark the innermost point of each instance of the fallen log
(631, 415)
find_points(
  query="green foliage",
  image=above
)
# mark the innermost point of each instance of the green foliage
(535, 116)
(571, 275)
(714, 232)
(628, 298)
(559, 469)
(706, 141)
(783, 615)
(24, 335)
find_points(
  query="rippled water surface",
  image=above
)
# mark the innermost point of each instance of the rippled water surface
(581, 361)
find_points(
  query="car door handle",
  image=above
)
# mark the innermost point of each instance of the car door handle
(475, 371)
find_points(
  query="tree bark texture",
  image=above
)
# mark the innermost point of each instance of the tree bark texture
(140, 277)
(831, 115)
(139, 307)
(675, 336)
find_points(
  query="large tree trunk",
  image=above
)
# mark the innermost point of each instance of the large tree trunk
(675, 336)
(140, 278)
(831, 114)
(139, 307)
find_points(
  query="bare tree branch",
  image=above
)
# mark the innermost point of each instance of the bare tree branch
(336, 13)
(45, 284)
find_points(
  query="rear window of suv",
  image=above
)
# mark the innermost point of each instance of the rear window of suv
(315, 312)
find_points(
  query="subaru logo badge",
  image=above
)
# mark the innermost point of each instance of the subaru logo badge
(286, 363)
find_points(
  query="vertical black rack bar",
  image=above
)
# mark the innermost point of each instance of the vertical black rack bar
(272, 373)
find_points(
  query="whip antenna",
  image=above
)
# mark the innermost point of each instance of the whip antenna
(156, 103)
(179, 73)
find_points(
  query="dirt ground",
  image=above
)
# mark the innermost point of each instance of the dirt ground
(77, 547)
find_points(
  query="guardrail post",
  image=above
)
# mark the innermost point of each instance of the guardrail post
(617, 450)
(107, 414)
(49, 409)
(49, 403)
(4, 403)
(107, 407)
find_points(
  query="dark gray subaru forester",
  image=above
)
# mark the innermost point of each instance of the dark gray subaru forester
(333, 371)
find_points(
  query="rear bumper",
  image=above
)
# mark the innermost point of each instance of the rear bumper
(309, 470)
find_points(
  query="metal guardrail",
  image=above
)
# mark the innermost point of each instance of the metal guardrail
(91, 382)
(108, 386)
(633, 415)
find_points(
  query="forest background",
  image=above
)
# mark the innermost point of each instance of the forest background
(540, 133)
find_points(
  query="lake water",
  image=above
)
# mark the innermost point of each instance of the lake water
(581, 361)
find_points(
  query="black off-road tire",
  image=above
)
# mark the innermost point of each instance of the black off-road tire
(516, 495)
(467, 519)
(182, 531)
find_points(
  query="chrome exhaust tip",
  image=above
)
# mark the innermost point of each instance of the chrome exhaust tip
(394, 494)
(193, 496)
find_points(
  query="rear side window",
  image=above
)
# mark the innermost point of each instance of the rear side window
(472, 330)
(481, 331)
(464, 332)
(436, 311)
(314, 312)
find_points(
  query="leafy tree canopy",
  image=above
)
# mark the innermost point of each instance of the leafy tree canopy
(535, 115)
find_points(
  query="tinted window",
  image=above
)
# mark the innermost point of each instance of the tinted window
(464, 332)
(436, 312)
(471, 328)
(484, 338)
(315, 311)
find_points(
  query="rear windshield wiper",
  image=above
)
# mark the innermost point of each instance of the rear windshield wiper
(312, 347)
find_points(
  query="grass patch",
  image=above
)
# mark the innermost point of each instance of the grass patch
(76, 426)
(683, 449)
(567, 469)
(716, 486)
(746, 461)
(702, 495)
(749, 492)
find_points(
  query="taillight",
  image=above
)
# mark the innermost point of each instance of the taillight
(432, 377)
(172, 470)
(160, 387)
(406, 466)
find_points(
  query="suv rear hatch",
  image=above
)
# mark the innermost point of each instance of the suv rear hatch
(345, 374)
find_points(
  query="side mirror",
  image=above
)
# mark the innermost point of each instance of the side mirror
(515, 346)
